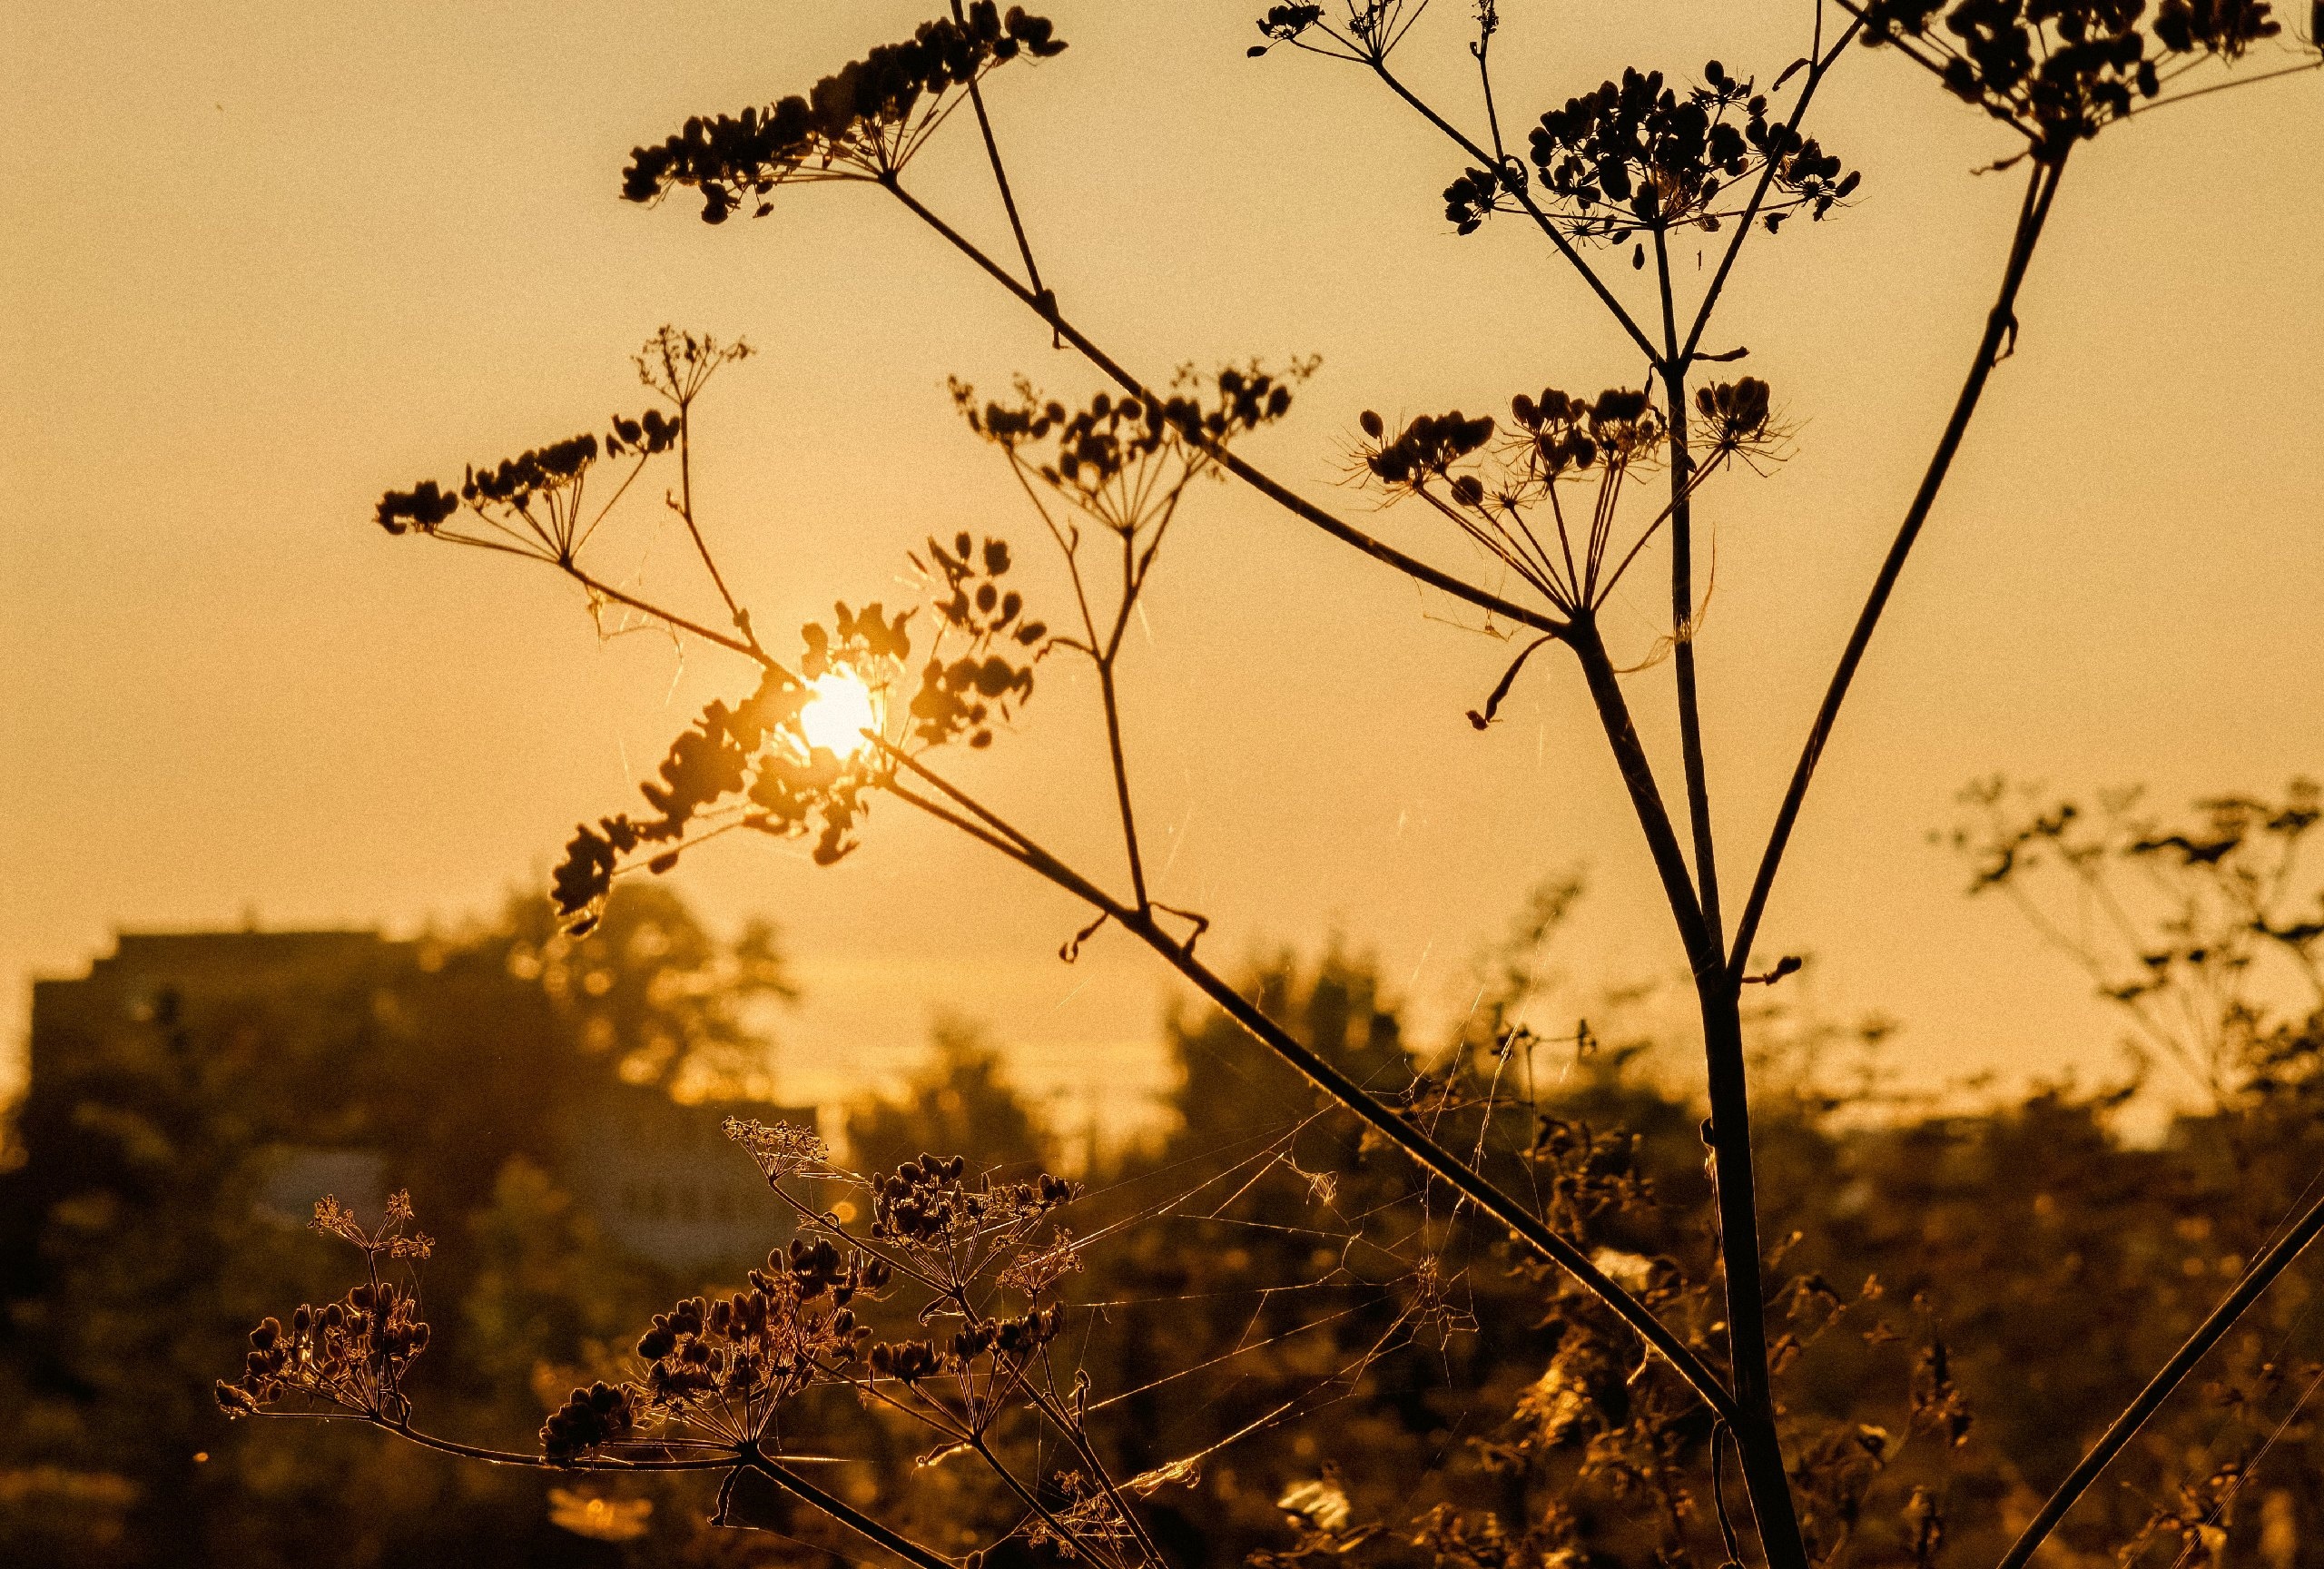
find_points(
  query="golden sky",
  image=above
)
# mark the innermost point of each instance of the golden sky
(261, 259)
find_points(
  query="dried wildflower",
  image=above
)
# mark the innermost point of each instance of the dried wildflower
(718, 1368)
(1125, 462)
(537, 504)
(864, 122)
(767, 766)
(2059, 71)
(783, 1149)
(993, 673)
(1638, 156)
(350, 1355)
(1365, 31)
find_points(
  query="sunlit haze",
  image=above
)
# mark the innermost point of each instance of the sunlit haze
(264, 260)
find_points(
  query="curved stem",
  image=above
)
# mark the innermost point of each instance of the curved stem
(2001, 326)
(2168, 1377)
(1423, 1150)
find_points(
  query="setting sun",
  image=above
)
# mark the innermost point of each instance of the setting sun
(836, 717)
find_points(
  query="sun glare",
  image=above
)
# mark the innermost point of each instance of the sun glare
(838, 714)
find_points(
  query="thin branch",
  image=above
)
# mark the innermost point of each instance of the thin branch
(2001, 327)
(685, 510)
(1525, 198)
(1682, 605)
(2167, 1379)
(1767, 178)
(542, 1462)
(1433, 1156)
(1646, 795)
(749, 650)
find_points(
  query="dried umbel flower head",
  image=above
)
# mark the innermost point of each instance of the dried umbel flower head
(784, 1150)
(984, 681)
(1640, 156)
(864, 122)
(2059, 71)
(1125, 462)
(717, 1367)
(350, 1355)
(1365, 31)
(534, 503)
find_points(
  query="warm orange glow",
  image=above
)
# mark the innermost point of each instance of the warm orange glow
(836, 717)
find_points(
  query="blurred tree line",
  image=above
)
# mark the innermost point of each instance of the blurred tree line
(1302, 1354)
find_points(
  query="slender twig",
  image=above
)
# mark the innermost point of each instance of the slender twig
(541, 1462)
(2001, 324)
(1646, 795)
(749, 650)
(2168, 1377)
(1121, 782)
(1815, 72)
(685, 510)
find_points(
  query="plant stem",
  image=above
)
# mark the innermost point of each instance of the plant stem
(1121, 781)
(1756, 1441)
(1434, 1158)
(1646, 795)
(2001, 323)
(2125, 1427)
(1682, 604)
(1717, 995)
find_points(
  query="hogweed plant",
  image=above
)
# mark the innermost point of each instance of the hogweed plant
(1563, 498)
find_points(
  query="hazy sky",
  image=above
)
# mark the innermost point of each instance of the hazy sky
(260, 261)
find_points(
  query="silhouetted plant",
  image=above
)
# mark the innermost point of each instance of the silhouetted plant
(1552, 501)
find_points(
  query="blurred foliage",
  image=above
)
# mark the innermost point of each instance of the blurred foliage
(1293, 1349)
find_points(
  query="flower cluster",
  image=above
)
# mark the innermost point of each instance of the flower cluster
(719, 1366)
(1491, 490)
(1366, 31)
(961, 695)
(1736, 414)
(927, 1207)
(1566, 435)
(784, 1150)
(1425, 449)
(1640, 156)
(531, 502)
(2061, 70)
(864, 122)
(352, 1354)
(1124, 461)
